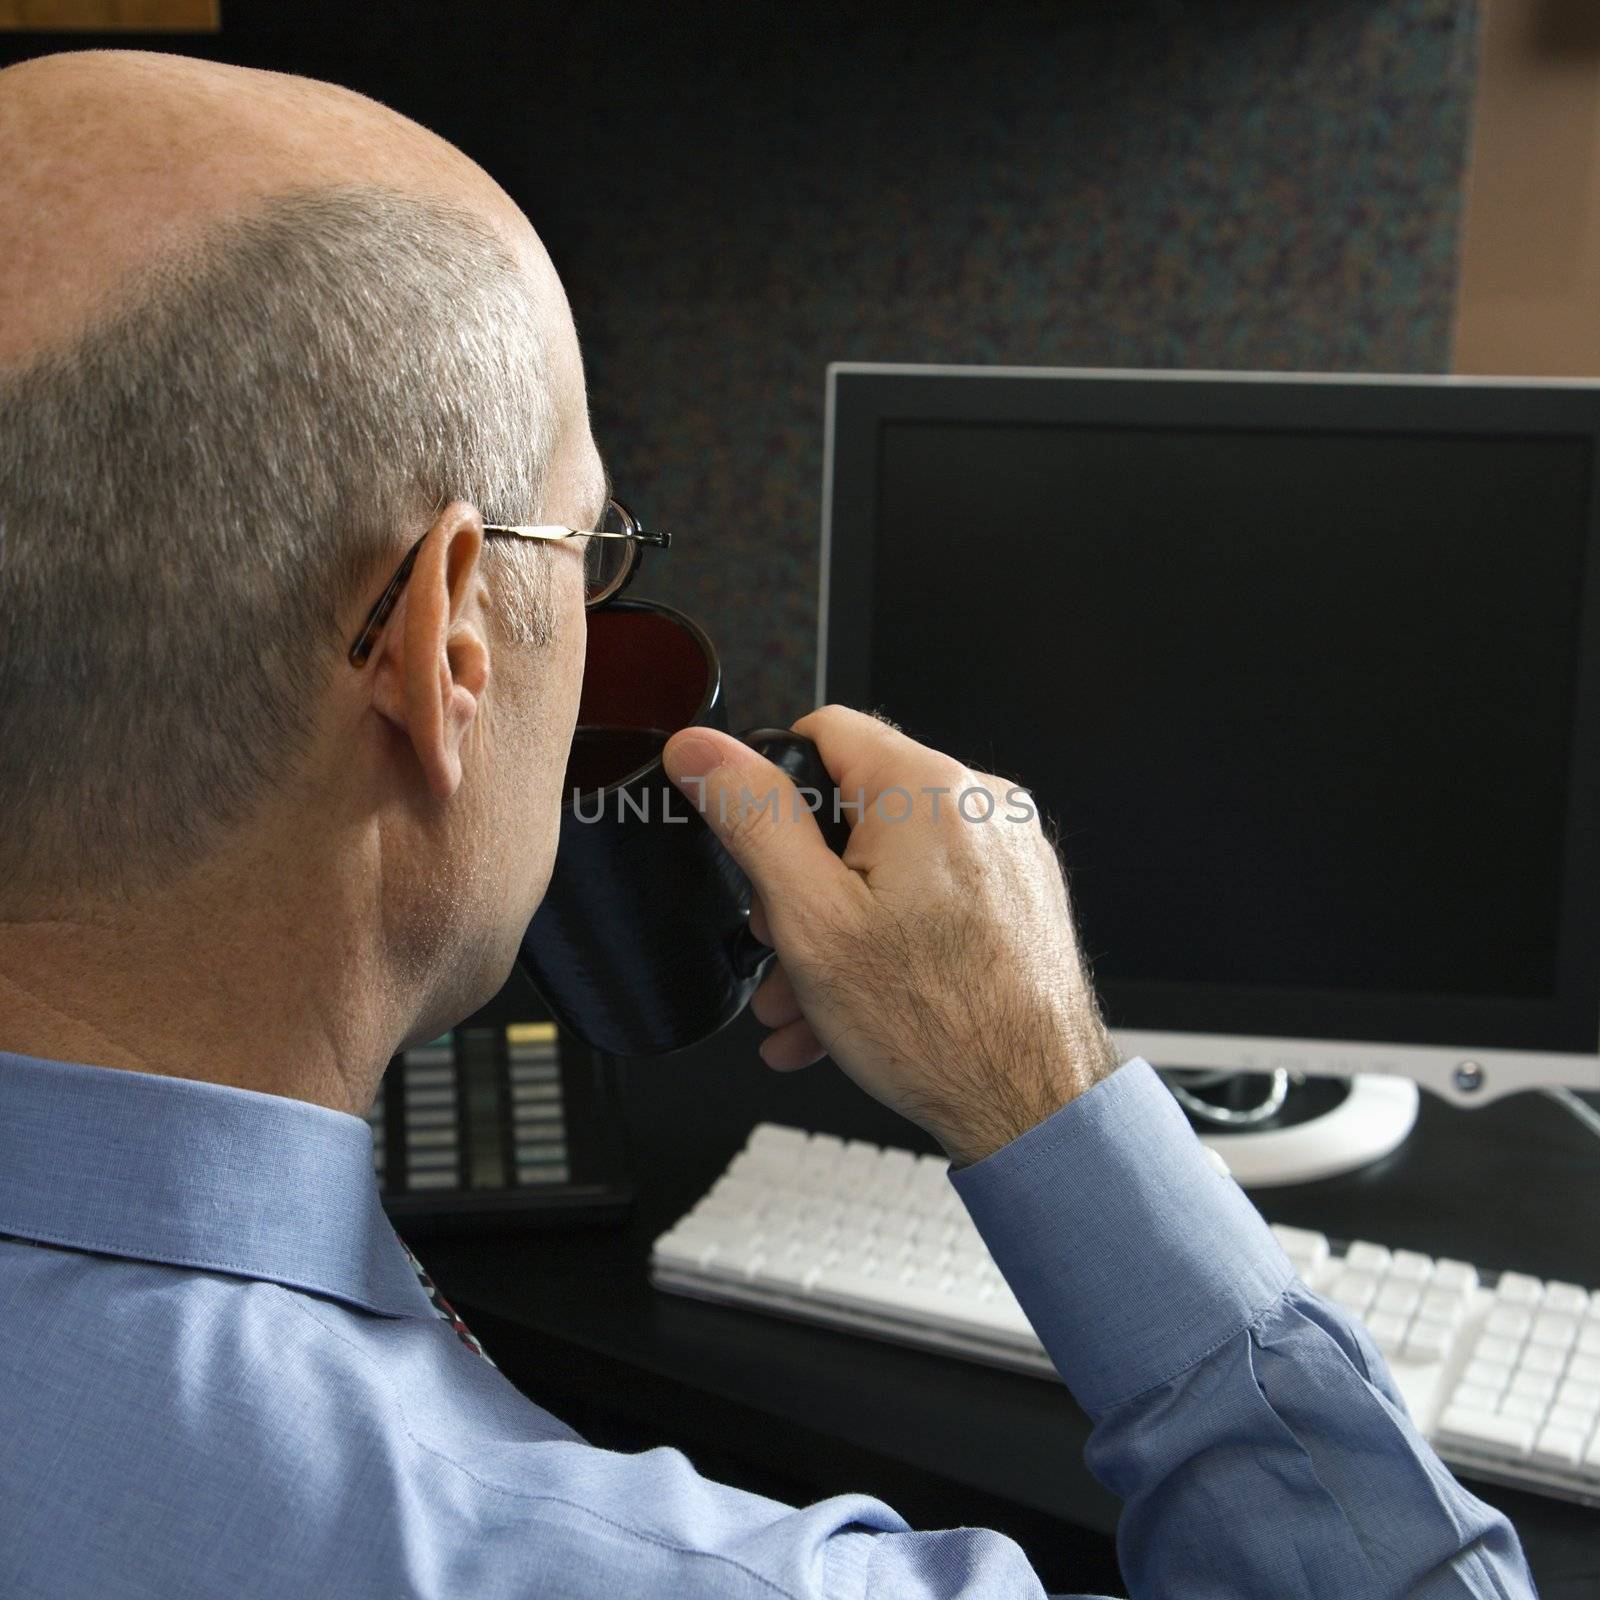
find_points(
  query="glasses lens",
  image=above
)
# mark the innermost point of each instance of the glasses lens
(607, 562)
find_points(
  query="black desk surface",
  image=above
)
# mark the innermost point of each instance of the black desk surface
(803, 1412)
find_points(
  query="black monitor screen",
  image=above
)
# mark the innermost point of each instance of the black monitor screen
(1300, 703)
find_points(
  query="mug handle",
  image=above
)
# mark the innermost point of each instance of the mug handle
(799, 760)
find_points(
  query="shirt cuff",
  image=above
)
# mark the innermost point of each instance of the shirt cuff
(1131, 1254)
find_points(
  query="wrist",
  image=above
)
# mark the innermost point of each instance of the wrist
(1018, 1107)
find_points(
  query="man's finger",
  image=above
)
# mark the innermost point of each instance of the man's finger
(791, 1048)
(774, 1003)
(760, 928)
(866, 753)
(757, 813)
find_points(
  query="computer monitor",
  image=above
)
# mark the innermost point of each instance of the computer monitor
(1305, 669)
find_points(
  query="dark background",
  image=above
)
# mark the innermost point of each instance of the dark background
(736, 195)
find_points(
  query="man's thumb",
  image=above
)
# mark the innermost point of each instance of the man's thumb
(754, 809)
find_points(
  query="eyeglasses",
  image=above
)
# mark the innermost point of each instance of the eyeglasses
(610, 560)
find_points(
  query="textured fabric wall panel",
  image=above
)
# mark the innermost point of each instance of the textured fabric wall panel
(1207, 185)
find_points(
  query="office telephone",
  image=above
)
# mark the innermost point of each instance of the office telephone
(503, 1120)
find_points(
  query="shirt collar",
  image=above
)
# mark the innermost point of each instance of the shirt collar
(199, 1175)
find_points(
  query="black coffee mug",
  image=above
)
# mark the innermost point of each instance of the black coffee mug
(642, 944)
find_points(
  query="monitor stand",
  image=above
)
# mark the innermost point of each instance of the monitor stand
(1371, 1119)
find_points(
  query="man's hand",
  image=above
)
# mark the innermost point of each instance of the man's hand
(936, 962)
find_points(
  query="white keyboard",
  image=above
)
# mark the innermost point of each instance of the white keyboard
(1500, 1371)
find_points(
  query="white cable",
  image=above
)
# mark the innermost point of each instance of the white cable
(1222, 1116)
(1581, 1109)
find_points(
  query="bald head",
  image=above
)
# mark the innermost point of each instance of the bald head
(114, 157)
(255, 331)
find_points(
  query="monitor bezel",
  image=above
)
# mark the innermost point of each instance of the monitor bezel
(1511, 1043)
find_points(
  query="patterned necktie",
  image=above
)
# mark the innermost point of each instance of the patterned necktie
(443, 1306)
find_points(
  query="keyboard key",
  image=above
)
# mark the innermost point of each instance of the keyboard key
(1443, 1305)
(1553, 1329)
(788, 1274)
(806, 1182)
(1542, 1358)
(1558, 1447)
(967, 1279)
(1589, 1338)
(1471, 1398)
(887, 1188)
(1584, 1369)
(1581, 1397)
(1399, 1299)
(895, 1225)
(1577, 1418)
(682, 1247)
(1505, 1438)
(1517, 1288)
(773, 1136)
(1409, 1266)
(724, 1229)
(733, 1199)
(1538, 1386)
(1566, 1298)
(1492, 1348)
(1523, 1408)
(1364, 1256)
(896, 1255)
(1387, 1329)
(1429, 1341)
(1006, 1304)
(1486, 1374)
(1508, 1322)
(968, 1255)
(1354, 1290)
(1459, 1275)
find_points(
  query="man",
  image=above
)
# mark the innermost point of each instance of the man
(260, 338)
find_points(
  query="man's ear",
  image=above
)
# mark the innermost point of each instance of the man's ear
(432, 661)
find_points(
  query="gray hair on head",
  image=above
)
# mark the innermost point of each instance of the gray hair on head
(196, 488)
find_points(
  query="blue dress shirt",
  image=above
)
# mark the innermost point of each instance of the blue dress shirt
(221, 1377)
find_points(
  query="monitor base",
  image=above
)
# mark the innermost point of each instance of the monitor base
(1373, 1119)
